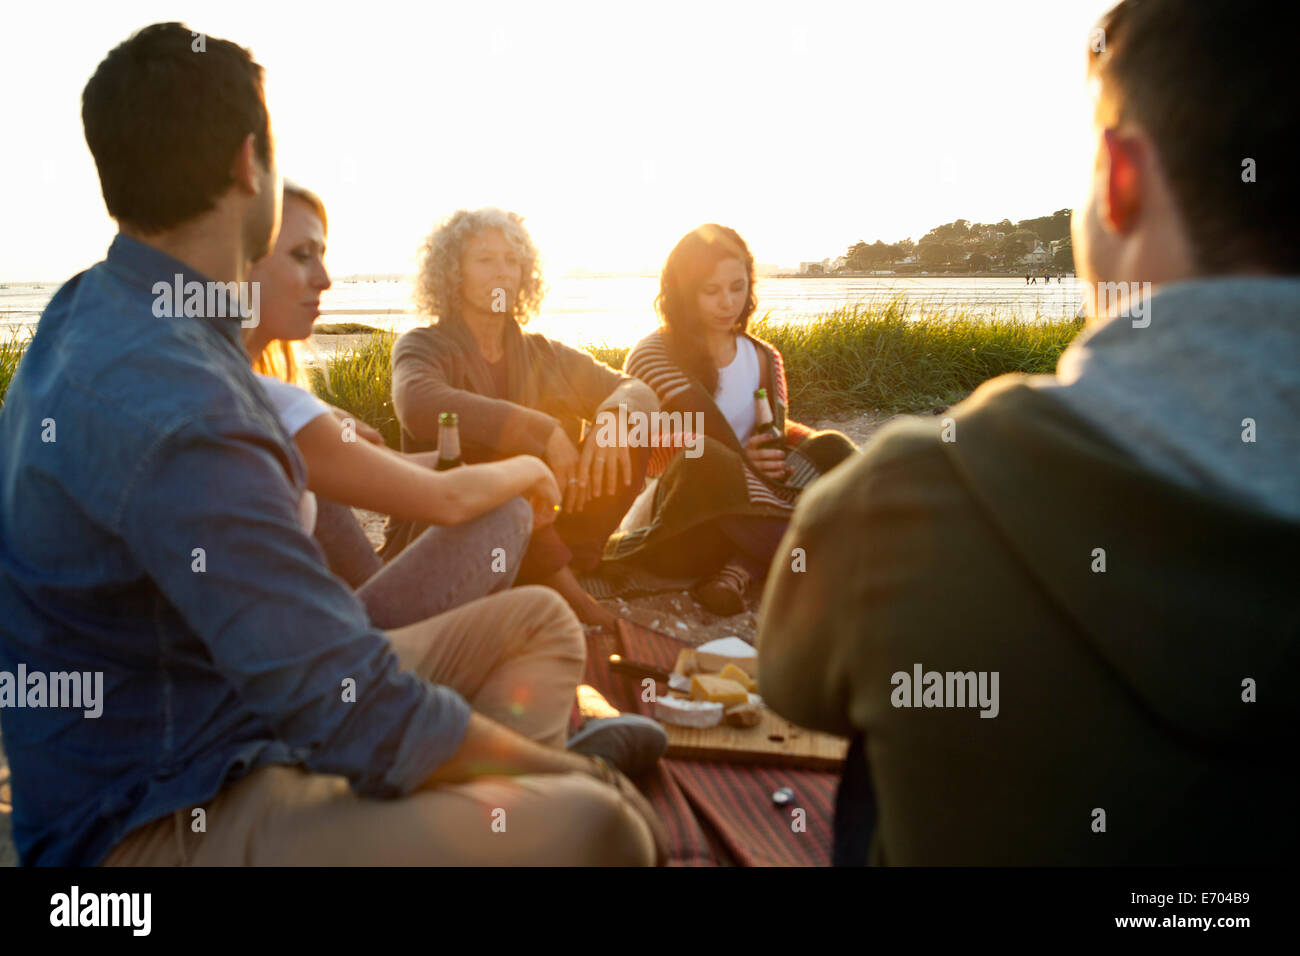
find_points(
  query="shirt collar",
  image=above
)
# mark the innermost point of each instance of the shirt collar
(143, 266)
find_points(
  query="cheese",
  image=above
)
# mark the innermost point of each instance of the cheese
(732, 672)
(688, 713)
(748, 714)
(718, 689)
(686, 662)
(715, 655)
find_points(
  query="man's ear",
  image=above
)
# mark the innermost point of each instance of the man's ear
(244, 167)
(1123, 181)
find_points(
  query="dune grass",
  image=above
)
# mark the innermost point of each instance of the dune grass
(893, 357)
(896, 358)
(12, 345)
(359, 380)
(881, 355)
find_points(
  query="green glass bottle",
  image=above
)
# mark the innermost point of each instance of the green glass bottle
(763, 423)
(448, 442)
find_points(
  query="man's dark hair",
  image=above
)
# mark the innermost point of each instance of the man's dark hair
(165, 114)
(1212, 83)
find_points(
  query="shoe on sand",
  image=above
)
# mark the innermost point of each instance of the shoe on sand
(724, 593)
(632, 743)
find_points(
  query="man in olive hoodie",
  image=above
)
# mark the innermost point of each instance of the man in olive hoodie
(1061, 621)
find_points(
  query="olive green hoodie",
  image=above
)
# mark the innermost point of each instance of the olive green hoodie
(1130, 578)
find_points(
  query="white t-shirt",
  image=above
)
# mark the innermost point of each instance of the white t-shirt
(296, 407)
(736, 385)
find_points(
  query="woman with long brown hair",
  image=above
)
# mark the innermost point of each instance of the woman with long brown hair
(720, 515)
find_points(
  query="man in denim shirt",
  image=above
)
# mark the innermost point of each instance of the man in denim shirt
(149, 533)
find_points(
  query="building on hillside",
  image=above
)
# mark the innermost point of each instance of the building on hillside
(1040, 256)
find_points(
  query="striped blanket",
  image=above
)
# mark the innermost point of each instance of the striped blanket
(717, 813)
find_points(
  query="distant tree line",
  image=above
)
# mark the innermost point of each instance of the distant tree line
(973, 247)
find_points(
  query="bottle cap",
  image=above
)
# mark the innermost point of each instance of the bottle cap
(448, 418)
(760, 393)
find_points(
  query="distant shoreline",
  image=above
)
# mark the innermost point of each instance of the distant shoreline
(917, 275)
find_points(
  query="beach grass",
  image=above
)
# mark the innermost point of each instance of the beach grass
(892, 356)
(359, 380)
(12, 345)
(881, 355)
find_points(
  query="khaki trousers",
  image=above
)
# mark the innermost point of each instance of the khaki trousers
(515, 657)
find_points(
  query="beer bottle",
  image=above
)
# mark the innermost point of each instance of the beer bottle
(448, 442)
(763, 424)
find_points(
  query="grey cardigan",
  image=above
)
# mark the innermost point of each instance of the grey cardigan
(439, 369)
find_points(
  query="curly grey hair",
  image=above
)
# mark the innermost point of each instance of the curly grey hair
(437, 284)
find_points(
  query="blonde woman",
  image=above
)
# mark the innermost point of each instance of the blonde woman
(471, 511)
(515, 393)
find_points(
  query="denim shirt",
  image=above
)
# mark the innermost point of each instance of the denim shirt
(149, 532)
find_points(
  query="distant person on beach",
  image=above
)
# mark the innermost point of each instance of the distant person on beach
(718, 516)
(151, 533)
(475, 510)
(1050, 619)
(516, 393)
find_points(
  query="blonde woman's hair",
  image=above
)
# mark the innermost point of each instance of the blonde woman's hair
(280, 358)
(437, 282)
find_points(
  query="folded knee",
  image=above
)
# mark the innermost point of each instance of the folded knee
(551, 616)
(614, 834)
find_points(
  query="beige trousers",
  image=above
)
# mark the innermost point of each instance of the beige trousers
(515, 657)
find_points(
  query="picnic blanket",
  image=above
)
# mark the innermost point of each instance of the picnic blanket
(717, 813)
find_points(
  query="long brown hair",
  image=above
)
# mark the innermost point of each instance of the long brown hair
(690, 263)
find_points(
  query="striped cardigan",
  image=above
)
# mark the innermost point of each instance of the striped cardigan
(651, 362)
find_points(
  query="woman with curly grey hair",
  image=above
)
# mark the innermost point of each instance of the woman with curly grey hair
(516, 393)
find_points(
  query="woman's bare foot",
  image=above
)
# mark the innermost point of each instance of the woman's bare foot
(589, 610)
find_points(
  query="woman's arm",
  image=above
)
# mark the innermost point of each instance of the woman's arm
(363, 475)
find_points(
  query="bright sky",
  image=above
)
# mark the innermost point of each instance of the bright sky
(612, 128)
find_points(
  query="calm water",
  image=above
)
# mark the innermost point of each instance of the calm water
(620, 309)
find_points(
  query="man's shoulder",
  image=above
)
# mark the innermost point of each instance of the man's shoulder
(915, 455)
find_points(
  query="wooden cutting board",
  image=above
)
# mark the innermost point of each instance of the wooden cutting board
(773, 741)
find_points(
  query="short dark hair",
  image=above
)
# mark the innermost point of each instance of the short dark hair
(1212, 83)
(165, 114)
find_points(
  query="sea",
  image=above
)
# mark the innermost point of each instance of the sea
(617, 310)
